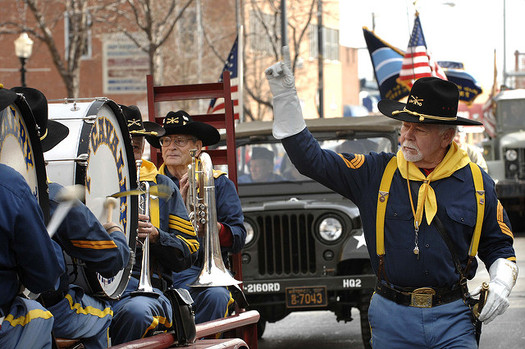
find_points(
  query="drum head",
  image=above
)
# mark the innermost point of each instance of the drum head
(97, 154)
(20, 149)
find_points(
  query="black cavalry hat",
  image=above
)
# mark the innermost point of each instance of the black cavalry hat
(7, 97)
(180, 122)
(431, 101)
(136, 126)
(51, 132)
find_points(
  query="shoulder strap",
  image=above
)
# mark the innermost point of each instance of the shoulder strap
(444, 235)
(480, 202)
(382, 199)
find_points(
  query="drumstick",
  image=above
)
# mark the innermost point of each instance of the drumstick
(68, 197)
(109, 205)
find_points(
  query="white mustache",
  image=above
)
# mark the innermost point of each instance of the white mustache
(410, 144)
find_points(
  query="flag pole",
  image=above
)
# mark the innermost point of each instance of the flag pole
(240, 72)
(240, 58)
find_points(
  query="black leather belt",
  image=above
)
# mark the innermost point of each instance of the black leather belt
(424, 297)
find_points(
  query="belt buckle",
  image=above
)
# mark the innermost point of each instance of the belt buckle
(422, 297)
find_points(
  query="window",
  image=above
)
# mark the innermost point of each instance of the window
(330, 43)
(188, 33)
(72, 24)
(263, 27)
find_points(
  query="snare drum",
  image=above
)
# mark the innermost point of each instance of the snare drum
(97, 153)
(20, 149)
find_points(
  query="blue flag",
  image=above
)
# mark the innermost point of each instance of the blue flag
(387, 61)
(468, 87)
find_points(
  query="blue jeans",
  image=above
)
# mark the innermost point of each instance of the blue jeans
(398, 326)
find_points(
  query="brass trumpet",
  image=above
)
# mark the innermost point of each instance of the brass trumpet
(144, 288)
(202, 211)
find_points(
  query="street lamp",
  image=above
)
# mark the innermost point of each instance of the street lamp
(23, 49)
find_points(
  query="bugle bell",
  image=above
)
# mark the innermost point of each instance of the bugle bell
(203, 215)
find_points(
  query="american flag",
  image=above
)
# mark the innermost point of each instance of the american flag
(489, 108)
(217, 104)
(417, 62)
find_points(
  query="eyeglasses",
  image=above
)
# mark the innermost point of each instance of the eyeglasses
(178, 141)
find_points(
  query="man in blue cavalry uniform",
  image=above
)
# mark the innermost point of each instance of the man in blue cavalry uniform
(173, 246)
(102, 248)
(27, 256)
(182, 135)
(429, 184)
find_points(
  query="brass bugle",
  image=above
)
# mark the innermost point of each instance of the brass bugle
(144, 287)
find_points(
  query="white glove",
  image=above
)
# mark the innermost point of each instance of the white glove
(288, 116)
(503, 274)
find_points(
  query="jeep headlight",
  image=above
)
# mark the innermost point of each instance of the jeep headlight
(330, 229)
(250, 232)
(511, 155)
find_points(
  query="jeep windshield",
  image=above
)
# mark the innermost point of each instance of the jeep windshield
(510, 114)
(275, 166)
(262, 159)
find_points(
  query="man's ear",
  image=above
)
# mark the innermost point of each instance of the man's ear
(448, 136)
(198, 145)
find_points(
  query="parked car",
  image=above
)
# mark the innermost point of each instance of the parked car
(305, 248)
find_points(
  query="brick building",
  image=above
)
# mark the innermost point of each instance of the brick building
(114, 67)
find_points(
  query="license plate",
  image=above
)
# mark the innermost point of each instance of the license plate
(306, 297)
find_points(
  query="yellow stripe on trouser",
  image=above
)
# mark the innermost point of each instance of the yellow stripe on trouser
(230, 302)
(156, 321)
(31, 315)
(89, 310)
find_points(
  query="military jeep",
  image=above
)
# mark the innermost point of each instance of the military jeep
(305, 248)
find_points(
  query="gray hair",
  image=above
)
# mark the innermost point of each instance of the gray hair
(444, 128)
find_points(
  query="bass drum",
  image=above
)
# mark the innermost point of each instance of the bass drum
(97, 153)
(20, 149)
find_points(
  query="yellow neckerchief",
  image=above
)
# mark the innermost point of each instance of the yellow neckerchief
(382, 199)
(454, 160)
(148, 172)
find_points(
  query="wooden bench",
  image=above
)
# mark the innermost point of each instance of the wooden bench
(64, 343)
(235, 322)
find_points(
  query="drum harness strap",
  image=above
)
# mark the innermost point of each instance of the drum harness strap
(382, 200)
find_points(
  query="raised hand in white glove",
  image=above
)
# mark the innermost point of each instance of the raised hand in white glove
(280, 76)
(503, 274)
(288, 116)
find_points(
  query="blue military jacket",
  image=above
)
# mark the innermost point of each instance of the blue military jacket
(83, 237)
(177, 247)
(358, 177)
(27, 254)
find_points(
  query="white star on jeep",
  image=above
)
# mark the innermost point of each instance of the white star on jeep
(360, 240)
